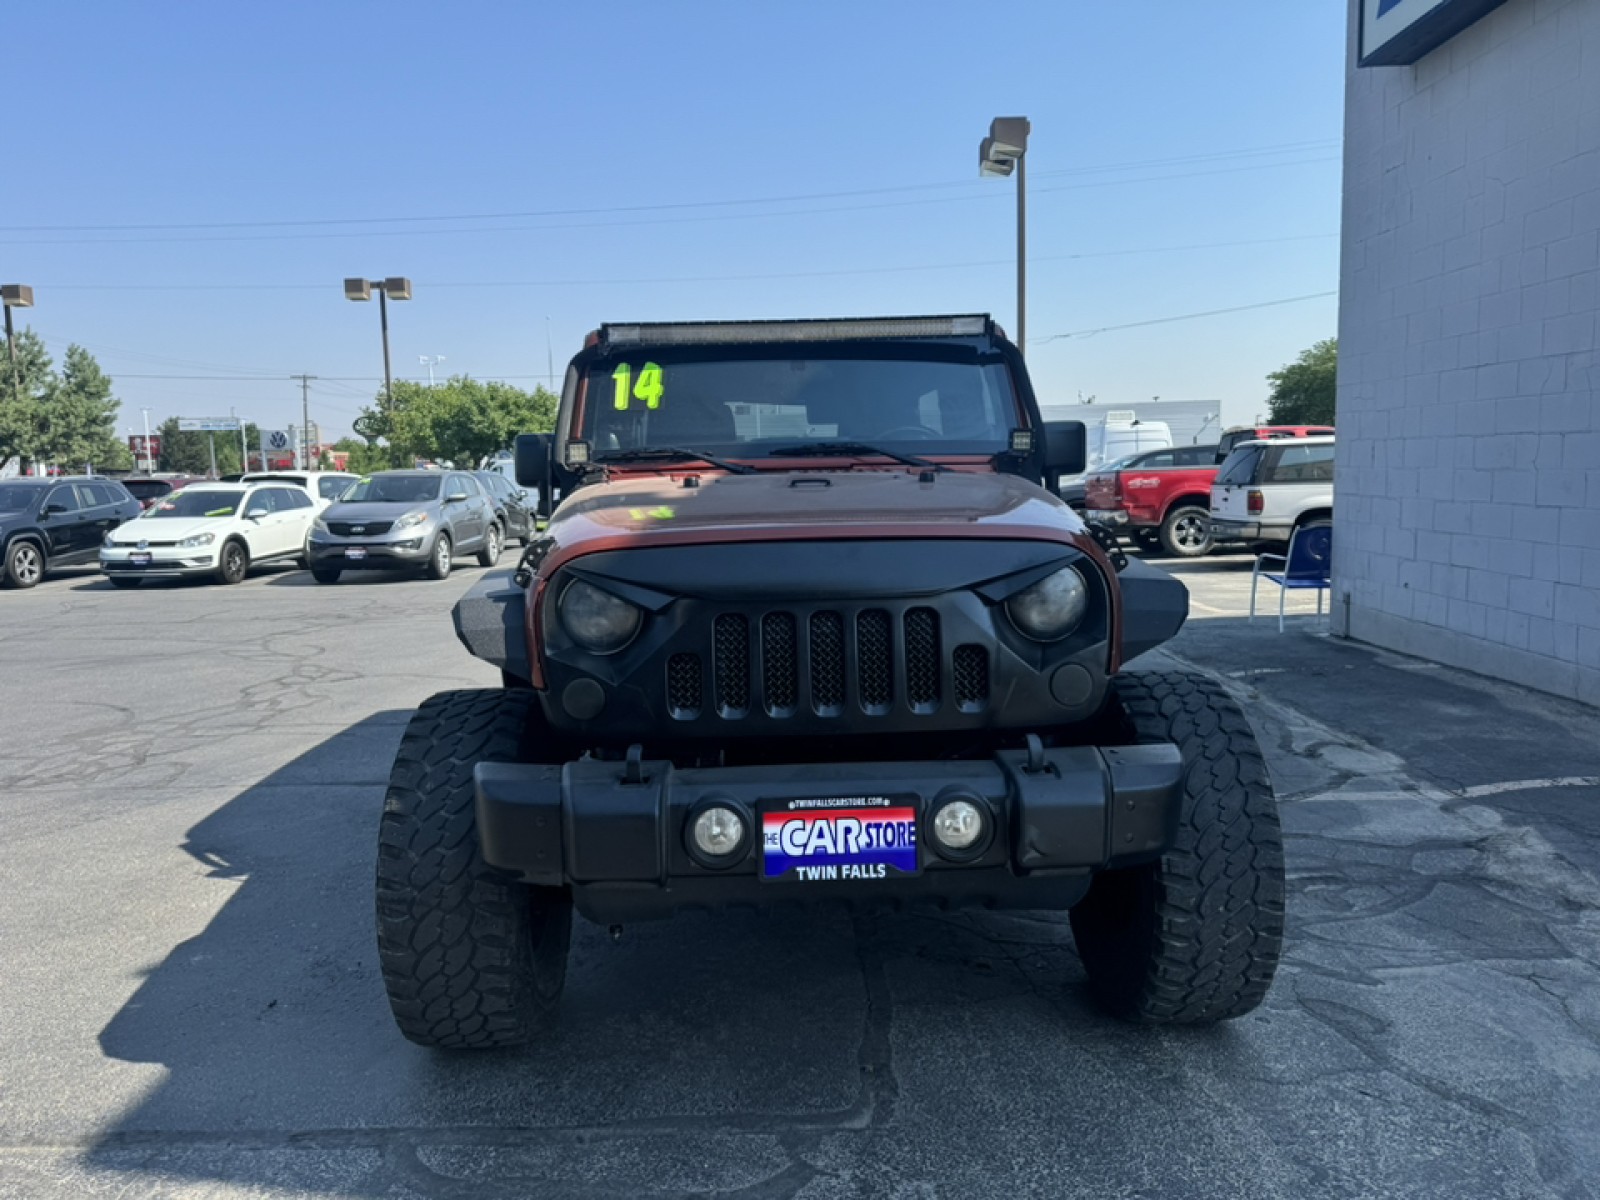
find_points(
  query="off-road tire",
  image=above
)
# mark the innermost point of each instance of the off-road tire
(441, 558)
(233, 562)
(119, 581)
(325, 574)
(471, 957)
(25, 564)
(1186, 532)
(1195, 936)
(493, 543)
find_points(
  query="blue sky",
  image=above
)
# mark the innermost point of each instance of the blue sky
(704, 159)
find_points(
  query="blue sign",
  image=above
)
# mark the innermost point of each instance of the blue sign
(1397, 32)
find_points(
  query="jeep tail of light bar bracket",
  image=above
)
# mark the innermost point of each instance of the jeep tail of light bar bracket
(698, 333)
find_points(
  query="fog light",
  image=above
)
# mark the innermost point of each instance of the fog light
(958, 825)
(718, 831)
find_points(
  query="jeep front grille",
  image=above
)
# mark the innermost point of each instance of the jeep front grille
(826, 662)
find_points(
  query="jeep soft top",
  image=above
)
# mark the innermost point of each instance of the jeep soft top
(809, 623)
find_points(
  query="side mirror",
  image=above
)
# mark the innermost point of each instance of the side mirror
(534, 453)
(1066, 449)
(455, 497)
(51, 510)
(254, 514)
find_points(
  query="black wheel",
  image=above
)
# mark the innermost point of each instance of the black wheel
(119, 581)
(1186, 532)
(24, 564)
(325, 574)
(471, 958)
(442, 558)
(233, 562)
(493, 542)
(1195, 936)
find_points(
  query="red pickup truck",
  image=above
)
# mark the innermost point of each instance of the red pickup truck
(1162, 498)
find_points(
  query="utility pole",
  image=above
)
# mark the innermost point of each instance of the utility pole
(149, 464)
(305, 412)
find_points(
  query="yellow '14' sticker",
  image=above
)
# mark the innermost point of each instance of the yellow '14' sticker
(649, 388)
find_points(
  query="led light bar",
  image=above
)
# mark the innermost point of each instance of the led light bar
(705, 333)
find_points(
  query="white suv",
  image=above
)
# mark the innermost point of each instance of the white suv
(325, 486)
(1266, 490)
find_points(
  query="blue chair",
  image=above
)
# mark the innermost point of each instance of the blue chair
(1308, 564)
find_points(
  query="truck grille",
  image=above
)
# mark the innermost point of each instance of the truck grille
(359, 528)
(824, 662)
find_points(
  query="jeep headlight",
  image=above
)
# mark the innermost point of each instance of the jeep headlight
(1052, 608)
(598, 621)
(196, 539)
(411, 519)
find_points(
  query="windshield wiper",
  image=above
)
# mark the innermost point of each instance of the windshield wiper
(664, 452)
(852, 450)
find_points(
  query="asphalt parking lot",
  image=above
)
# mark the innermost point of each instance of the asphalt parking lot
(190, 1006)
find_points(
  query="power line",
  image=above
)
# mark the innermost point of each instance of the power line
(1282, 148)
(746, 278)
(1215, 312)
(988, 194)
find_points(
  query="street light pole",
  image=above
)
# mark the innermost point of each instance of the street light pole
(14, 295)
(149, 467)
(430, 361)
(1005, 150)
(361, 289)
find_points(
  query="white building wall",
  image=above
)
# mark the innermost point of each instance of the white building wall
(1467, 512)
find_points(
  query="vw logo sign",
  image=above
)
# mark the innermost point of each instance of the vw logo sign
(277, 439)
(143, 545)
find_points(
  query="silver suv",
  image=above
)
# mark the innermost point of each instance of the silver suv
(1265, 490)
(406, 520)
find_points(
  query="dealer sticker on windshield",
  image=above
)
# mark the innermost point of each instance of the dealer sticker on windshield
(839, 838)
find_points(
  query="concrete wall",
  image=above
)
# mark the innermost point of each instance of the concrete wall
(1467, 511)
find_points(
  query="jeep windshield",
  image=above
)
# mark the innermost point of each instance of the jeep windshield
(746, 403)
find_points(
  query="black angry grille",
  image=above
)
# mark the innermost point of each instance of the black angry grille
(685, 689)
(780, 665)
(824, 662)
(827, 663)
(874, 656)
(732, 658)
(359, 528)
(971, 665)
(922, 659)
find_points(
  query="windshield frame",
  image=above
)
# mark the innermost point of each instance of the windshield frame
(980, 354)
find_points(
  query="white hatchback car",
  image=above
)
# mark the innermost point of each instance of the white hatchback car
(215, 529)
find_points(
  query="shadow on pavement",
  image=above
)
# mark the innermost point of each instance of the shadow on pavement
(747, 1037)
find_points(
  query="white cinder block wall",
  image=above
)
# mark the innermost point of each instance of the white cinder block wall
(1467, 507)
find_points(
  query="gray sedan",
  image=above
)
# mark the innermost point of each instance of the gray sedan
(406, 521)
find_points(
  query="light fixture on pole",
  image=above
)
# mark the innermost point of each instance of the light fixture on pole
(1005, 150)
(14, 295)
(396, 287)
(430, 361)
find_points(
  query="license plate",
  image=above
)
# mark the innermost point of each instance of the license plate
(355, 552)
(838, 839)
(139, 560)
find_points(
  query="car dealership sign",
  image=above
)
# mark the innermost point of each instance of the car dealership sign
(1396, 32)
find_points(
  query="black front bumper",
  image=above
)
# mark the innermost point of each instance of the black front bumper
(620, 843)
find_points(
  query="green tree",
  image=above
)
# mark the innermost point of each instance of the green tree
(189, 453)
(364, 458)
(1303, 392)
(68, 418)
(460, 420)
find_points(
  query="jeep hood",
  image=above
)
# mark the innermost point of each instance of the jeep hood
(656, 510)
